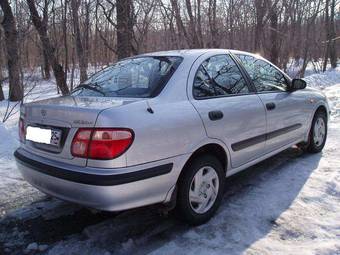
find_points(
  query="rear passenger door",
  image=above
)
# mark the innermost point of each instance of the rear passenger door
(230, 110)
(286, 111)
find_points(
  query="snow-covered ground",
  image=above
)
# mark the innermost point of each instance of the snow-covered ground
(288, 204)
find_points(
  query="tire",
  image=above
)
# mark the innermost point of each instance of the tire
(316, 142)
(210, 169)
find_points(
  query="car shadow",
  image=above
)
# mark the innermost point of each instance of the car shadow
(253, 201)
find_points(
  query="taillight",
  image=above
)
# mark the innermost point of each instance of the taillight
(101, 143)
(22, 131)
(80, 143)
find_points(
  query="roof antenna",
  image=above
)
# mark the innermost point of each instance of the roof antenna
(149, 109)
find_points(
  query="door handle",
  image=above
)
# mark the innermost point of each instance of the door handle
(270, 106)
(215, 115)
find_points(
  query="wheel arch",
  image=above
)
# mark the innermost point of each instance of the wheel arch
(214, 149)
(319, 107)
(213, 146)
(322, 108)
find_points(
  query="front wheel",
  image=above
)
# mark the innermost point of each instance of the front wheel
(317, 133)
(200, 189)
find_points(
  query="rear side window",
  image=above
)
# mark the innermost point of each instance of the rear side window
(219, 76)
(265, 77)
(132, 77)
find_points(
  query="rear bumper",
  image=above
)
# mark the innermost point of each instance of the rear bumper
(106, 189)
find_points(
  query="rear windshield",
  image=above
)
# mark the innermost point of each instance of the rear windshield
(132, 77)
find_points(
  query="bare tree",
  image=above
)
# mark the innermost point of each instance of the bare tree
(47, 46)
(11, 41)
(64, 4)
(328, 36)
(124, 14)
(332, 35)
(79, 45)
(313, 10)
(2, 97)
(46, 64)
(143, 15)
(330, 51)
(274, 32)
(260, 11)
(215, 40)
(75, 33)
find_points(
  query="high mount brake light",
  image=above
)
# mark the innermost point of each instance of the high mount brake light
(101, 143)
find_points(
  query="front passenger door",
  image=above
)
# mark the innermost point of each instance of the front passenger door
(286, 111)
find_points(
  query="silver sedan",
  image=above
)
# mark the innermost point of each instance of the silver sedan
(167, 127)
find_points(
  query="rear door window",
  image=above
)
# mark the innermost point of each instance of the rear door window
(219, 76)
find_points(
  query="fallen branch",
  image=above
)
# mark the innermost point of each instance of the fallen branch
(331, 40)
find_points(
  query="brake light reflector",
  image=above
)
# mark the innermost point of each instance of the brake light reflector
(101, 143)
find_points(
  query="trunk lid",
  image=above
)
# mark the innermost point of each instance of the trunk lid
(65, 115)
(72, 111)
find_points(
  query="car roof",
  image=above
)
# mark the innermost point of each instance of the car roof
(193, 52)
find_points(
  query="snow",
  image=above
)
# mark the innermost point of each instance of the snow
(288, 204)
(323, 80)
(290, 208)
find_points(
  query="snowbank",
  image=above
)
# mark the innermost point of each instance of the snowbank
(7, 142)
(323, 80)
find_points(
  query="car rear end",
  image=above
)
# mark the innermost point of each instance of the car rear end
(68, 152)
(59, 141)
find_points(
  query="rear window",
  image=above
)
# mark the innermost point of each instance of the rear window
(132, 77)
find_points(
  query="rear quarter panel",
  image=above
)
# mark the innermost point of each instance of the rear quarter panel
(169, 131)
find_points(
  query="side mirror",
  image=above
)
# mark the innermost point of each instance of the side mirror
(298, 84)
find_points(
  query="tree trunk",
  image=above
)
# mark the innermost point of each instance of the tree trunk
(46, 66)
(179, 23)
(199, 24)
(332, 33)
(2, 96)
(307, 42)
(124, 28)
(328, 39)
(11, 41)
(274, 49)
(65, 38)
(87, 32)
(260, 10)
(231, 23)
(79, 45)
(194, 41)
(73, 67)
(214, 39)
(41, 27)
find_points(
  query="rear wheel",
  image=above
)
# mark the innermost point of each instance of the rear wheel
(317, 133)
(200, 189)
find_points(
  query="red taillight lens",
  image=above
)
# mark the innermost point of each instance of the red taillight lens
(102, 143)
(80, 143)
(109, 143)
(22, 131)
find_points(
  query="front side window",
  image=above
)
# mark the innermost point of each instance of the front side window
(265, 77)
(132, 77)
(219, 76)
